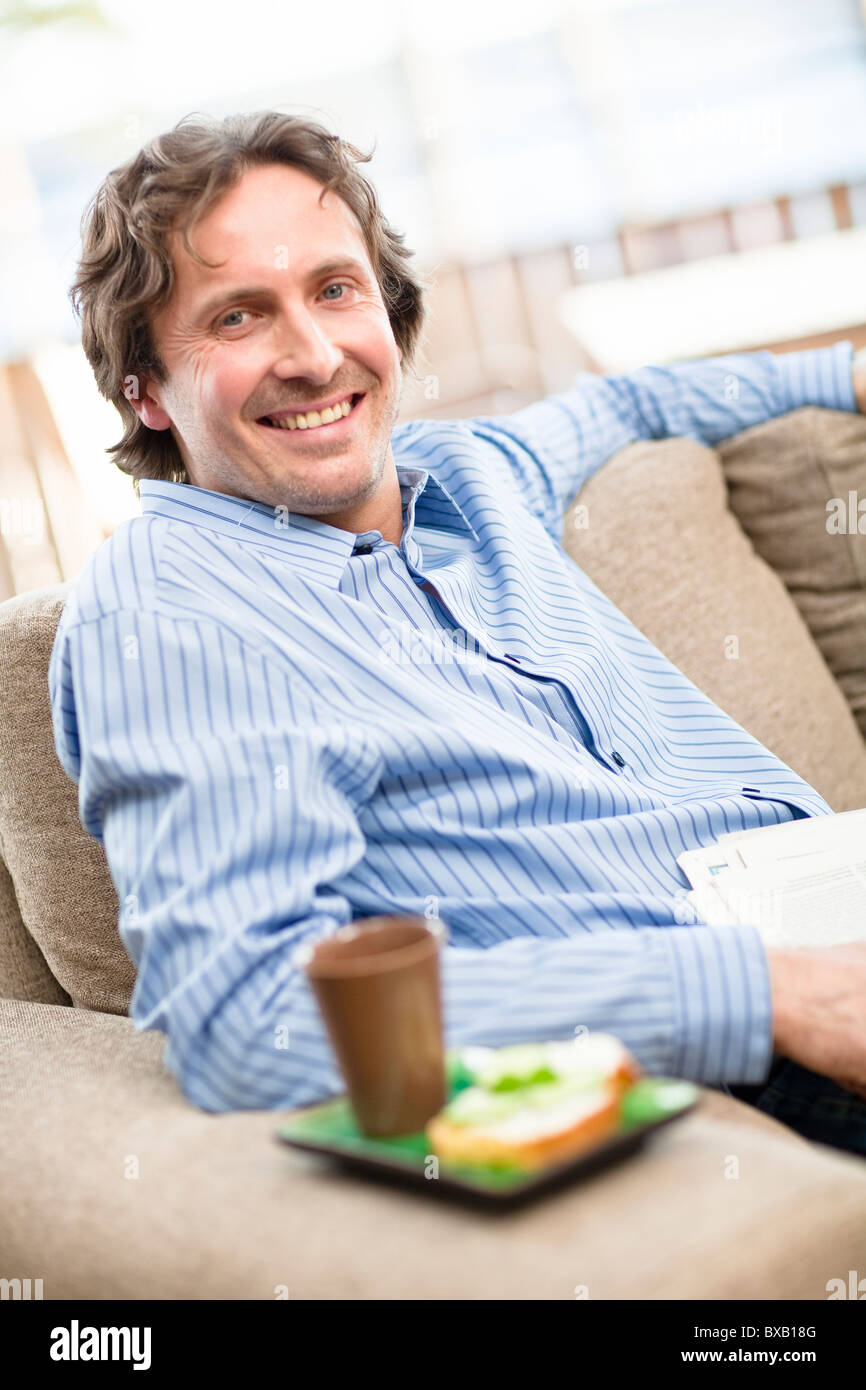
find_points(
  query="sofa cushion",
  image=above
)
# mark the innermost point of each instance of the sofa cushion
(789, 484)
(156, 1199)
(657, 537)
(65, 893)
(24, 972)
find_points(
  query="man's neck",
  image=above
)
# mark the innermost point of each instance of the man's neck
(383, 512)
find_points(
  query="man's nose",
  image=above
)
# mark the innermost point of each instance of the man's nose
(305, 349)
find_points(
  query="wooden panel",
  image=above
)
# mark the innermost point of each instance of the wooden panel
(705, 236)
(74, 530)
(841, 207)
(650, 248)
(7, 578)
(759, 224)
(495, 341)
(508, 355)
(450, 366)
(544, 278)
(30, 558)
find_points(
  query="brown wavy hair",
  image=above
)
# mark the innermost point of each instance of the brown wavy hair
(125, 273)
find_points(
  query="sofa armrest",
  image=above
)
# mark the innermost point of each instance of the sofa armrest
(155, 1199)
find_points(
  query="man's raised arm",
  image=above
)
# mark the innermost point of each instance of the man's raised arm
(555, 445)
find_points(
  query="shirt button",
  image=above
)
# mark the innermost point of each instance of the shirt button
(364, 548)
(618, 758)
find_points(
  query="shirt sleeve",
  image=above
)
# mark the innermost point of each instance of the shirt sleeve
(229, 814)
(688, 1001)
(555, 445)
(64, 716)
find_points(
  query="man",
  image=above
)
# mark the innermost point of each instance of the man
(339, 668)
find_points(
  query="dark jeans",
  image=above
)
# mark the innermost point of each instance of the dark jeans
(810, 1103)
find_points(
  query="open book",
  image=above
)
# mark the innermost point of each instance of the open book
(801, 883)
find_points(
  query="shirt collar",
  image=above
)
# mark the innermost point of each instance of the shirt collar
(317, 549)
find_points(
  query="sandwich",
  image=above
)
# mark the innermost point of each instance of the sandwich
(535, 1104)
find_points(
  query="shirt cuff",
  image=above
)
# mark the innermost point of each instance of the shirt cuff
(723, 1029)
(819, 376)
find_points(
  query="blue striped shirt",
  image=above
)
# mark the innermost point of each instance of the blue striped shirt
(278, 726)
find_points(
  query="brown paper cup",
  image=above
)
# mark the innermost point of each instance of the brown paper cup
(377, 986)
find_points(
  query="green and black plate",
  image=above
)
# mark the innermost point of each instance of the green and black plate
(329, 1128)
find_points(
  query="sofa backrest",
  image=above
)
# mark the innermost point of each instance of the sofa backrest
(67, 901)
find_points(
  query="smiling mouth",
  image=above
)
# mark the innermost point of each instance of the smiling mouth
(314, 420)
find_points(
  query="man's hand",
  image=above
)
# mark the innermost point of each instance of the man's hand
(860, 380)
(819, 1011)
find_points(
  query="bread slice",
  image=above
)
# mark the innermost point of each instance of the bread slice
(534, 1104)
(533, 1136)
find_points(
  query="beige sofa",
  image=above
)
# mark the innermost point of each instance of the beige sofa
(114, 1186)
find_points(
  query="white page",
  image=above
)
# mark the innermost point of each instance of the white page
(792, 840)
(820, 900)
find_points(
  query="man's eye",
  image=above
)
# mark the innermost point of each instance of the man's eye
(337, 285)
(223, 323)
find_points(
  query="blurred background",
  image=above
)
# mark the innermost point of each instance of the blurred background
(590, 185)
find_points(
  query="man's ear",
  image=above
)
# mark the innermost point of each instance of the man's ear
(137, 390)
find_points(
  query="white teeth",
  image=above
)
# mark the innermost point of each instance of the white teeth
(312, 419)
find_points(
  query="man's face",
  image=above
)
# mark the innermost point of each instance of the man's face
(291, 317)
